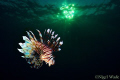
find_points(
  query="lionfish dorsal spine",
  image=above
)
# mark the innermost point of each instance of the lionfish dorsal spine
(48, 31)
(40, 36)
(33, 35)
(29, 35)
(58, 39)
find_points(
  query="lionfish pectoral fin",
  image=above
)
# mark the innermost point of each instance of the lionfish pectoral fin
(26, 39)
(22, 45)
(21, 50)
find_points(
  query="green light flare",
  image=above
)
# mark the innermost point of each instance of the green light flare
(68, 11)
(72, 4)
(61, 8)
(65, 12)
(72, 15)
(67, 7)
(66, 16)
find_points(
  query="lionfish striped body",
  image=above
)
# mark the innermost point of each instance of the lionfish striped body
(36, 52)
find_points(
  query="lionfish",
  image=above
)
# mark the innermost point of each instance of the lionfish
(35, 52)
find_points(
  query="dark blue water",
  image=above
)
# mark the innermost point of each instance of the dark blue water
(91, 39)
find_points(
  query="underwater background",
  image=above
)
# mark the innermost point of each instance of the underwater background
(91, 39)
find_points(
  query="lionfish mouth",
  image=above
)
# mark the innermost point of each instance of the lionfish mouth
(35, 52)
